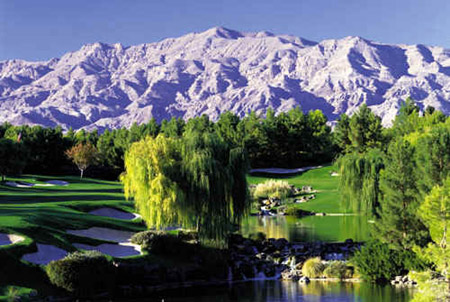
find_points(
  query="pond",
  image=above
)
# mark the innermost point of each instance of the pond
(277, 291)
(309, 228)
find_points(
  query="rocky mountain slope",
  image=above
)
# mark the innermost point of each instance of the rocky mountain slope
(108, 86)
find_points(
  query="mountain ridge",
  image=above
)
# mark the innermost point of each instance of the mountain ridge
(108, 85)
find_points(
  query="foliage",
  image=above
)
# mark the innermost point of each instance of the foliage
(43, 147)
(313, 268)
(433, 157)
(258, 236)
(82, 273)
(196, 180)
(12, 157)
(83, 155)
(398, 223)
(376, 261)
(435, 212)
(272, 188)
(429, 289)
(338, 269)
(160, 243)
(360, 180)
(360, 132)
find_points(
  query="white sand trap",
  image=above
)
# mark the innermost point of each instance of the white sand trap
(113, 213)
(114, 250)
(45, 254)
(18, 185)
(44, 185)
(104, 234)
(334, 174)
(7, 239)
(57, 182)
(283, 171)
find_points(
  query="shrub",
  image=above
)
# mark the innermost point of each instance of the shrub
(82, 273)
(313, 268)
(258, 236)
(272, 188)
(161, 243)
(377, 262)
(188, 236)
(338, 269)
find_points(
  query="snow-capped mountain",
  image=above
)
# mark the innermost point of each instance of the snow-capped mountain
(218, 70)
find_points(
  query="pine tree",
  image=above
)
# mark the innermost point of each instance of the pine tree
(398, 223)
(433, 157)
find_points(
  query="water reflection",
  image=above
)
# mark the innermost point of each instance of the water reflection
(310, 228)
(272, 291)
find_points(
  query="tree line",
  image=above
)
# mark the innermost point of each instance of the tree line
(289, 139)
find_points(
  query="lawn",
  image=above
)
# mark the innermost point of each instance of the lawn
(327, 198)
(43, 214)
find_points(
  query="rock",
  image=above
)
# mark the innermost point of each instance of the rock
(289, 274)
(304, 279)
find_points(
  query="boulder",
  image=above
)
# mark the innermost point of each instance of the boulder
(304, 279)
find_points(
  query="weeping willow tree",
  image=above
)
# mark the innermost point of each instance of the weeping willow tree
(197, 181)
(360, 180)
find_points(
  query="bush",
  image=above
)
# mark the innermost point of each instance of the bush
(338, 269)
(160, 243)
(272, 188)
(313, 268)
(258, 236)
(82, 273)
(377, 262)
(188, 236)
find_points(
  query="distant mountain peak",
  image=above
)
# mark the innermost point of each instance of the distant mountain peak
(108, 85)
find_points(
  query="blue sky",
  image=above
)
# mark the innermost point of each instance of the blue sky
(42, 29)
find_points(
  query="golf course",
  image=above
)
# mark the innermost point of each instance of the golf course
(49, 217)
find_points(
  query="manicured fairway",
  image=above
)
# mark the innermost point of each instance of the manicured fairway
(327, 198)
(43, 213)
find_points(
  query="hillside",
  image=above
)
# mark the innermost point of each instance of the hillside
(108, 86)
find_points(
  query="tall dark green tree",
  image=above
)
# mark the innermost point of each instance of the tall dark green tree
(407, 119)
(433, 157)
(399, 223)
(12, 158)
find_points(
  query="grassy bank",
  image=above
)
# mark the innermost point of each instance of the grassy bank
(327, 196)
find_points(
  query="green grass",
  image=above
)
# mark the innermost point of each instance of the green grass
(327, 198)
(8, 293)
(43, 214)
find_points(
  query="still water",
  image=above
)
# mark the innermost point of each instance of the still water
(277, 291)
(309, 228)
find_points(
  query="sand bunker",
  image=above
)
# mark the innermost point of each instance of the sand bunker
(57, 182)
(103, 234)
(334, 174)
(18, 185)
(7, 239)
(23, 184)
(114, 250)
(45, 254)
(124, 248)
(283, 171)
(113, 213)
